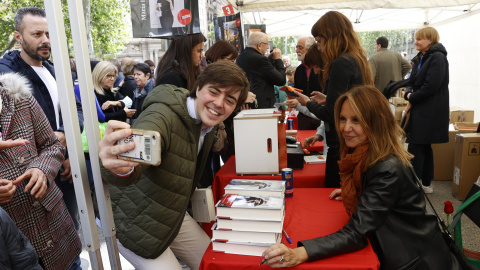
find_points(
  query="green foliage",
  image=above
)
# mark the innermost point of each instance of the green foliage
(398, 40)
(290, 44)
(7, 12)
(110, 24)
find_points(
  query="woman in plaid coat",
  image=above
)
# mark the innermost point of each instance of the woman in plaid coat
(27, 172)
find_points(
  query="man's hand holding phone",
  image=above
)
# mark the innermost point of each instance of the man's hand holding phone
(108, 150)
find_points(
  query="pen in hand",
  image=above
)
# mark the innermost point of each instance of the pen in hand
(286, 236)
(265, 259)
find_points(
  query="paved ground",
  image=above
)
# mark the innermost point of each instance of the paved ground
(442, 192)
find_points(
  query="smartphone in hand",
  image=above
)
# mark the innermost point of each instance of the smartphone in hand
(147, 147)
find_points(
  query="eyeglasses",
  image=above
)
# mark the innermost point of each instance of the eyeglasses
(264, 43)
(299, 47)
(111, 77)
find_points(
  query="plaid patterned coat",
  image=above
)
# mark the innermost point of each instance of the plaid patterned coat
(45, 222)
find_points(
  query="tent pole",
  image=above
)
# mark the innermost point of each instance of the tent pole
(68, 107)
(79, 35)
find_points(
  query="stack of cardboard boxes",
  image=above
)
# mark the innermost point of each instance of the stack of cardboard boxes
(398, 104)
(452, 160)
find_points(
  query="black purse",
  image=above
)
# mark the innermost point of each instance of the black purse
(455, 250)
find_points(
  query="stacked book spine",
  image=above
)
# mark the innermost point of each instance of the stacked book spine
(249, 217)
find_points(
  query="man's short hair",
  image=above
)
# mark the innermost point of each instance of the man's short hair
(18, 19)
(144, 68)
(383, 41)
(255, 38)
(224, 74)
(290, 70)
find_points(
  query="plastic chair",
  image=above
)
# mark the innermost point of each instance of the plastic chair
(471, 208)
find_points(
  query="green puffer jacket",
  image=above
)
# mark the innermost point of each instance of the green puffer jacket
(150, 204)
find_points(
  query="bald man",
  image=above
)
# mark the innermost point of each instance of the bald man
(261, 74)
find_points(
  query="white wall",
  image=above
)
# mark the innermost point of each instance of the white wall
(461, 38)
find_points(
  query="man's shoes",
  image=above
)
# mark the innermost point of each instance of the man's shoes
(427, 189)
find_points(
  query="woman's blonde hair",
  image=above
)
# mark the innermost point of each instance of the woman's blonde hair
(377, 120)
(340, 38)
(429, 33)
(101, 70)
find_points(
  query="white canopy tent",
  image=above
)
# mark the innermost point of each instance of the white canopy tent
(297, 17)
(456, 20)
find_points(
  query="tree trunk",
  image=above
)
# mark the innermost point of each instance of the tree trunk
(10, 45)
(86, 11)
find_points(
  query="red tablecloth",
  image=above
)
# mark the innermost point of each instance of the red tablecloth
(303, 134)
(309, 213)
(311, 176)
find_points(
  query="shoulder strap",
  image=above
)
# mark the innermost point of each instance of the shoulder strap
(440, 221)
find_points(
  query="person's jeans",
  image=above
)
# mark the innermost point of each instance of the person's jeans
(422, 161)
(77, 264)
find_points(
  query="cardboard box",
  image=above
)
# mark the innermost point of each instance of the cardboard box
(398, 101)
(397, 112)
(443, 155)
(467, 164)
(466, 126)
(460, 115)
(401, 92)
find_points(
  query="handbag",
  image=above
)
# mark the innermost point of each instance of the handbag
(455, 250)
(405, 122)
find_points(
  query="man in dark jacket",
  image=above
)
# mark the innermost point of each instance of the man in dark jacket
(306, 80)
(31, 31)
(150, 202)
(260, 72)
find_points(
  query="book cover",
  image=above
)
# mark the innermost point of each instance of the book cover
(251, 207)
(250, 225)
(315, 159)
(274, 188)
(242, 247)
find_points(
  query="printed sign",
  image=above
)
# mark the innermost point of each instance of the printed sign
(228, 10)
(164, 18)
(229, 28)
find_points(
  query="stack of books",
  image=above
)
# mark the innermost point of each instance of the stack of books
(315, 159)
(249, 217)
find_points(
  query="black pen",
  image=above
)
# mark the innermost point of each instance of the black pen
(263, 261)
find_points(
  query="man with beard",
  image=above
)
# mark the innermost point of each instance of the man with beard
(31, 31)
(306, 80)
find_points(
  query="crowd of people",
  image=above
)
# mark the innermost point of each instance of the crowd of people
(191, 99)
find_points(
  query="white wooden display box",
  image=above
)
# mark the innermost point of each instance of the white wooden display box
(256, 141)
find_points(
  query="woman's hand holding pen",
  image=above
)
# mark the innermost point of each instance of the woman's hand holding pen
(279, 256)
